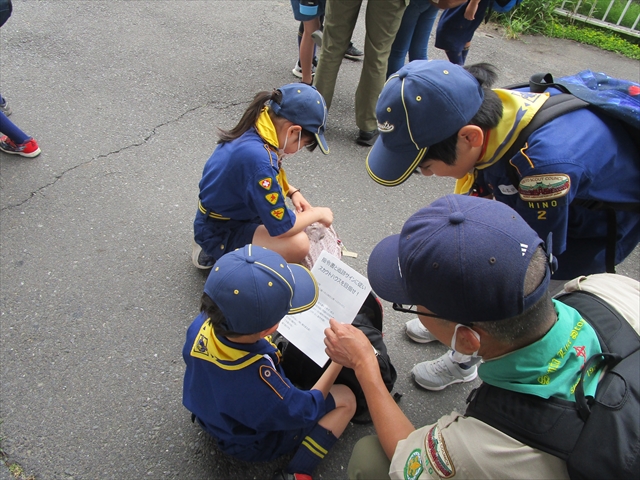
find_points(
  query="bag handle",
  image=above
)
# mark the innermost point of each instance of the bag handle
(597, 361)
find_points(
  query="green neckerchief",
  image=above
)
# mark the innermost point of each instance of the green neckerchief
(551, 366)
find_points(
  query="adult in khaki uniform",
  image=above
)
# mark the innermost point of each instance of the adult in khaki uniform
(382, 21)
(479, 277)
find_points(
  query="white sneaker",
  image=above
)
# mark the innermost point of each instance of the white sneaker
(417, 332)
(317, 38)
(297, 70)
(200, 259)
(440, 373)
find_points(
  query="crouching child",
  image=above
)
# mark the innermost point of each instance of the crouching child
(234, 384)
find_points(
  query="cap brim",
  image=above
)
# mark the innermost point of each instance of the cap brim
(391, 168)
(383, 271)
(305, 291)
(322, 143)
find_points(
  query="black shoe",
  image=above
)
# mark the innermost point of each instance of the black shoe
(281, 475)
(367, 138)
(200, 259)
(353, 53)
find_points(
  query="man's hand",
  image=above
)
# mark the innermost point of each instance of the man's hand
(347, 345)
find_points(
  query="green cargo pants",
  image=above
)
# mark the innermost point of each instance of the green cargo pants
(382, 21)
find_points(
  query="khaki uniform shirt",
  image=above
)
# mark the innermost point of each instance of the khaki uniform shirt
(464, 447)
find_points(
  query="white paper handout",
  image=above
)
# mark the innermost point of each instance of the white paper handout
(342, 293)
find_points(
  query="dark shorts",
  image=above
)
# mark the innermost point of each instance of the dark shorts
(217, 237)
(295, 5)
(281, 443)
(454, 31)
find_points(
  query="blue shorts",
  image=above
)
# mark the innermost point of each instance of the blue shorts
(282, 443)
(454, 31)
(217, 237)
(302, 17)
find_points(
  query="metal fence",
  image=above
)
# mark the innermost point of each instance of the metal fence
(606, 21)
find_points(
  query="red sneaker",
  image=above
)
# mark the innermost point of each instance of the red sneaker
(282, 475)
(27, 149)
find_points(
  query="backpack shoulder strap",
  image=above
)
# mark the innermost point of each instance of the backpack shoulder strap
(553, 425)
(554, 107)
(615, 334)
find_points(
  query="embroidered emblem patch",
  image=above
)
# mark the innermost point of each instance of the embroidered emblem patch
(278, 213)
(539, 188)
(581, 352)
(385, 127)
(413, 468)
(266, 183)
(272, 198)
(200, 345)
(437, 454)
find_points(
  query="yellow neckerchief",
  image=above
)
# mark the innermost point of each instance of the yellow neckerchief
(267, 130)
(518, 108)
(207, 346)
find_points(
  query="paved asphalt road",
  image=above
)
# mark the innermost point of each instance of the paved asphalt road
(97, 287)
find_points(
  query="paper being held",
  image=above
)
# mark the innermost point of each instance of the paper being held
(342, 293)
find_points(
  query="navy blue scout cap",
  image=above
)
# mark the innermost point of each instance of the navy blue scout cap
(425, 102)
(255, 288)
(463, 258)
(303, 105)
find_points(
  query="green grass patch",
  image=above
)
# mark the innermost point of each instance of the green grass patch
(597, 9)
(536, 17)
(597, 38)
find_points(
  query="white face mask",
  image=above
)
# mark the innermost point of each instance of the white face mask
(281, 152)
(461, 357)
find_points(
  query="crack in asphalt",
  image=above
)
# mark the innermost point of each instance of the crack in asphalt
(105, 155)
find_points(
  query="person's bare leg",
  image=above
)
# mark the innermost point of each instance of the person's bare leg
(293, 249)
(337, 420)
(306, 49)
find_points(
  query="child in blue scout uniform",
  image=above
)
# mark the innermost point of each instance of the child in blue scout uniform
(243, 187)
(309, 12)
(456, 28)
(234, 384)
(455, 126)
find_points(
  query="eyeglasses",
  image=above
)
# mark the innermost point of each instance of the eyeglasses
(400, 308)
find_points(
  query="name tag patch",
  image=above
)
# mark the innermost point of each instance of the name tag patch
(507, 189)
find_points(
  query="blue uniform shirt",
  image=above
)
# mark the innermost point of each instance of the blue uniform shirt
(242, 397)
(239, 187)
(583, 156)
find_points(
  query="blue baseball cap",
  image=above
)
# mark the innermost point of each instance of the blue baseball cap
(303, 105)
(463, 258)
(422, 104)
(255, 288)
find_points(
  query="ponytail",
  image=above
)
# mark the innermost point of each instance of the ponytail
(250, 115)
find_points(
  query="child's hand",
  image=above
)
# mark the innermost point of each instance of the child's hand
(300, 203)
(326, 216)
(470, 11)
